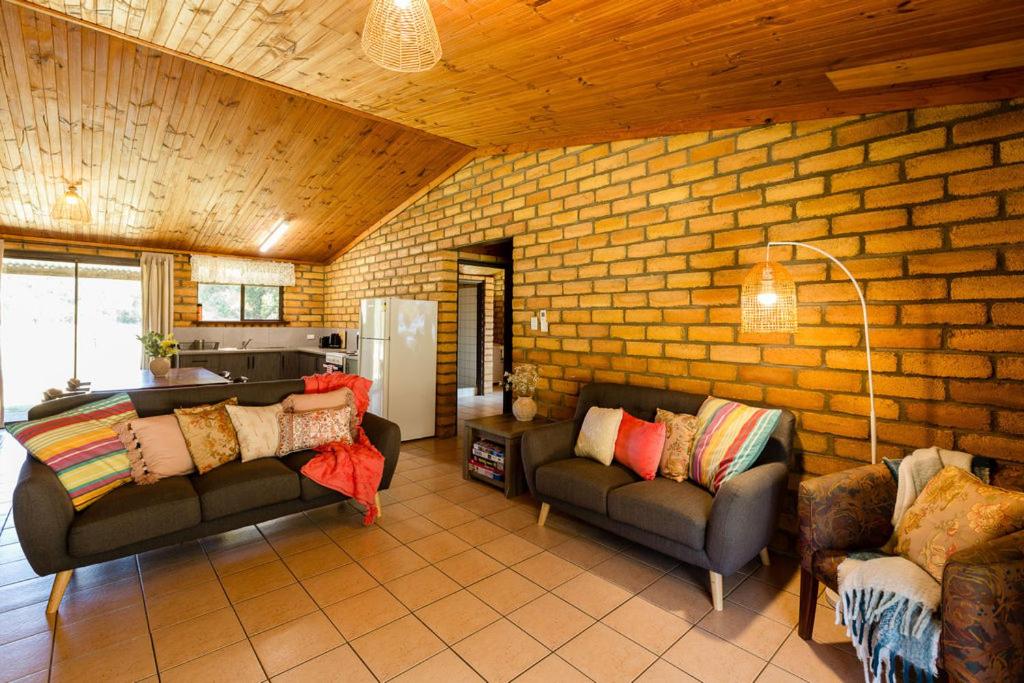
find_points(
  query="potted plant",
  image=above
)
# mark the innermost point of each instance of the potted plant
(159, 348)
(522, 382)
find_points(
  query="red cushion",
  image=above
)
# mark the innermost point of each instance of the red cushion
(639, 445)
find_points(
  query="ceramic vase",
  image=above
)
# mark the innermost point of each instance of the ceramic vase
(524, 408)
(159, 366)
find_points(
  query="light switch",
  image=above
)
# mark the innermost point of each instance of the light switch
(533, 323)
(543, 320)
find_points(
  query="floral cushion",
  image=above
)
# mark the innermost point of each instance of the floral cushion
(339, 398)
(680, 429)
(209, 434)
(956, 511)
(300, 431)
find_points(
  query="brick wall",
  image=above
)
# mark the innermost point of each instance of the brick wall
(637, 250)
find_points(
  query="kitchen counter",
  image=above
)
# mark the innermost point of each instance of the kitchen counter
(256, 349)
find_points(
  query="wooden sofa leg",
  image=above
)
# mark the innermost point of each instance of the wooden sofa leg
(808, 603)
(60, 584)
(716, 590)
(764, 557)
(380, 508)
(542, 518)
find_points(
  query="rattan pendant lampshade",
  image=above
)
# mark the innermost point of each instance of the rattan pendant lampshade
(400, 35)
(71, 207)
(768, 299)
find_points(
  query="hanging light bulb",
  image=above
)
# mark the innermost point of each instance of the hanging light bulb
(400, 35)
(71, 207)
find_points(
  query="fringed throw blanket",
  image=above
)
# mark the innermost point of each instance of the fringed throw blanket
(889, 606)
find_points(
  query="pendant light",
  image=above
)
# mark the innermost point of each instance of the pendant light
(400, 35)
(71, 207)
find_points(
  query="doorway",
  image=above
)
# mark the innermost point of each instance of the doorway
(484, 348)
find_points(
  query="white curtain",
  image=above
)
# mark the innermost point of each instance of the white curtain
(225, 270)
(1, 360)
(157, 294)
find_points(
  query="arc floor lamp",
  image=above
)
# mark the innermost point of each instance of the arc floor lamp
(768, 302)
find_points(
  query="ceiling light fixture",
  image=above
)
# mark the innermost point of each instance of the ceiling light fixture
(400, 35)
(280, 229)
(71, 207)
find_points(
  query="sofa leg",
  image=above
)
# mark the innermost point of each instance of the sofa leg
(808, 603)
(380, 508)
(60, 584)
(764, 556)
(542, 518)
(716, 590)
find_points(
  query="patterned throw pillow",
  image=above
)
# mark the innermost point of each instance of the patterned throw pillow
(956, 511)
(81, 446)
(257, 428)
(339, 398)
(209, 434)
(598, 433)
(300, 431)
(730, 438)
(680, 430)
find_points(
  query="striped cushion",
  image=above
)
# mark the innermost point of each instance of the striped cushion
(81, 447)
(730, 437)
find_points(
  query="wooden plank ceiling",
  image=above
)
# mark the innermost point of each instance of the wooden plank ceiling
(179, 154)
(172, 154)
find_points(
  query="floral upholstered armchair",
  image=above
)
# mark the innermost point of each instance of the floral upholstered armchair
(982, 586)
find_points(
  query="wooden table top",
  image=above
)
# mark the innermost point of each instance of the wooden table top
(506, 426)
(176, 377)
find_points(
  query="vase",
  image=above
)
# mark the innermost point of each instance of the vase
(524, 408)
(159, 366)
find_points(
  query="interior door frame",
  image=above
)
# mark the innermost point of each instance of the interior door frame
(506, 361)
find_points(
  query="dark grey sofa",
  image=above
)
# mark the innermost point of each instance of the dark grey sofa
(132, 519)
(720, 533)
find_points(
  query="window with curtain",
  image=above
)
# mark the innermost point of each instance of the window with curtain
(242, 290)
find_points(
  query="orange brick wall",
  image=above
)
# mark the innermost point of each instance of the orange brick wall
(637, 250)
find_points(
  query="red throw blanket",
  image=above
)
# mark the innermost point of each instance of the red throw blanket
(354, 469)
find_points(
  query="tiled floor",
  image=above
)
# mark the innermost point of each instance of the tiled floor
(454, 583)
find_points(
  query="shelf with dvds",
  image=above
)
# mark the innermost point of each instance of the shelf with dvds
(491, 451)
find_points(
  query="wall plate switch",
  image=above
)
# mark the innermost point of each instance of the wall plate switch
(533, 323)
(543, 320)
(310, 336)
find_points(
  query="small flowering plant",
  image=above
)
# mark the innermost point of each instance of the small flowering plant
(157, 345)
(522, 381)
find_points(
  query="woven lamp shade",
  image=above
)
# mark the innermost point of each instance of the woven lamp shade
(71, 207)
(400, 35)
(768, 299)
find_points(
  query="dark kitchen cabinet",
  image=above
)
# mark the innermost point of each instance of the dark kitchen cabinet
(235, 363)
(311, 364)
(290, 365)
(193, 361)
(264, 367)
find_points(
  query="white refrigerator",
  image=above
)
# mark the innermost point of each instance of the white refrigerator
(398, 352)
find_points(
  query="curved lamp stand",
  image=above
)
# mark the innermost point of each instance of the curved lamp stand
(867, 331)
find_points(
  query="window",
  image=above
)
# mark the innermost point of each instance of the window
(240, 303)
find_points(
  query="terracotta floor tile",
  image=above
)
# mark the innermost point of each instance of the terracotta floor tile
(469, 567)
(168, 556)
(513, 518)
(299, 540)
(650, 557)
(547, 570)
(456, 616)
(231, 539)
(103, 573)
(168, 609)
(397, 647)
(450, 516)
(191, 639)
(647, 625)
(340, 665)
(702, 655)
(444, 666)
(338, 584)
(412, 529)
(317, 560)
(428, 502)
(127, 660)
(25, 593)
(166, 579)
(439, 546)
(544, 536)
(663, 672)
(19, 570)
(439, 484)
(465, 491)
(606, 655)
(551, 620)
(25, 656)
(552, 668)
(24, 622)
(592, 594)
(257, 580)
(295, 642)
(501, 651)
(478, 531)
(92, 602)
(582, 552)
(103, 630)
(815, 662)
(421, 587)
(773, 674)
(360, 614)
(233, 664)
(487, 504)
(242, 557)
(397, 494)
(740, 626)
(783, 572)
(393, 563)
(627, 573)
(506, 591)
(682, 599)
(774, 603)
(368, 543)
(272, 609)
(510, 549)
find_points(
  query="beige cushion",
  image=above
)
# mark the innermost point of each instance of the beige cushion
(313, 428)
(159, 449)
(209, 434)
(257, 429)
(680, 429)
(956, 511)
(597, 435)
(339, 398)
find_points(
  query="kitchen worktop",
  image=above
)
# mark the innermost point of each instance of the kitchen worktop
(256, 349)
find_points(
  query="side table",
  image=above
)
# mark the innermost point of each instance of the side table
(506, 432)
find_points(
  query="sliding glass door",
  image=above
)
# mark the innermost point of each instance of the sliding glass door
(47, 339)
